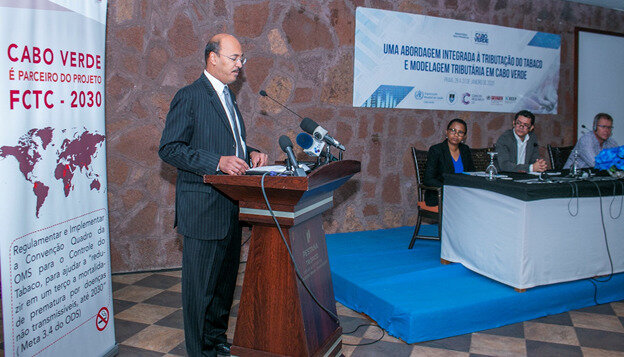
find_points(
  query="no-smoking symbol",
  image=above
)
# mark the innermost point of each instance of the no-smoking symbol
(101, 320)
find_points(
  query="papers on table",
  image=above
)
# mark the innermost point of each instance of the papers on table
(550, 173)
(483, 174)
(273, 170)
(278, 169)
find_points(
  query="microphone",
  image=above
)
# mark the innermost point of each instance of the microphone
(544, 177)
(264, 94)
(311, 127)
(287, 146)
(310, 145)
(313, 146)
(584, 130)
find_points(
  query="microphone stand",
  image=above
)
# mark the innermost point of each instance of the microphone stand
(328, 156)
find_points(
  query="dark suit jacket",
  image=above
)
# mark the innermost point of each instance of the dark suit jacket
(507, 149)
(439, 162)
(197, 133)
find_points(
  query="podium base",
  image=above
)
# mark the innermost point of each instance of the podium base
(331, 348)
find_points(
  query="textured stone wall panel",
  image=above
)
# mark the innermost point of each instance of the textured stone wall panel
(301, 53)
(249, 20)
(306, 31)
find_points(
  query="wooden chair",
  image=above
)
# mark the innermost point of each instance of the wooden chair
(480, 158)
(424, 211)
(558, 156)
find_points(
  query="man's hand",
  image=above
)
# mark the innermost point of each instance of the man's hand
(539, 165)
(258, 159)
(232, 165)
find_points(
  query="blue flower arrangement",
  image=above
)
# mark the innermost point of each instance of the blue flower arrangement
(611, 160)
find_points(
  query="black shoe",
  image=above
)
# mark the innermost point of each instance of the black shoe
(223, 349)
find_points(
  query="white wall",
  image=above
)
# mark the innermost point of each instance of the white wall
(601, 80)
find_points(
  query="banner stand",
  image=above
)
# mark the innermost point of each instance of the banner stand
(55, 261)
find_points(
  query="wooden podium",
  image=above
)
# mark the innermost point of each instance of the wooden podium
(276, 315)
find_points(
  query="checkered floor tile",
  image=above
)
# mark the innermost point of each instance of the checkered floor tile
(148, 322)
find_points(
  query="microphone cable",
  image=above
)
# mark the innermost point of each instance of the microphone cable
(614, 198)
(242, 245)
(307, 288)
(292, 258)
(575, 194)
(246, 240)
(595, 280)
(383, 334)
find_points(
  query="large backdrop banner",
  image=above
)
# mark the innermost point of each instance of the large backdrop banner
(55, 252)
(422, 62)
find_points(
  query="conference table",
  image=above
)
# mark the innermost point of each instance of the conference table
(524, 233)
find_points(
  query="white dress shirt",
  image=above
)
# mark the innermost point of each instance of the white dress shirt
(219, 86)
(522, 145)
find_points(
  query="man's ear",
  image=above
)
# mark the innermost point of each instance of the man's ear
(211, 57)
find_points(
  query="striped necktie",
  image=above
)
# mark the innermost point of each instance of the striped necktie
(230, 108)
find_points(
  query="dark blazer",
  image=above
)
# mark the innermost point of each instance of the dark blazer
(196, 134)
(507, 148)
(439, 162)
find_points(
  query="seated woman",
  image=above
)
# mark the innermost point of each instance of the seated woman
(449, 156)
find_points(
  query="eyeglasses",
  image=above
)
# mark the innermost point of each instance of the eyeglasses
(234, 58)
(523, 125)
(457, 132)
(608, 127)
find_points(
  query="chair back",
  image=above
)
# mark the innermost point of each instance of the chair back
(558, 156)
(420, 163)
(480, 158)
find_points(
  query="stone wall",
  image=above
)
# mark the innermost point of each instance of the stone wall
(301, 53)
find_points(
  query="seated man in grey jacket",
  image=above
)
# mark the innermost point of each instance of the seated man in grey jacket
(517, 147)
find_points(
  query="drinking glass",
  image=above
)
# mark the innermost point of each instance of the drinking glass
(491, 170)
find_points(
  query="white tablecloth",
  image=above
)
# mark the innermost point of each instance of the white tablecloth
(529, 243)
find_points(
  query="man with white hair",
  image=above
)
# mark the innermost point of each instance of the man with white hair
(591, 143)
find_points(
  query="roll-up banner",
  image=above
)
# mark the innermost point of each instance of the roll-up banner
(54, 246)
(413, 61)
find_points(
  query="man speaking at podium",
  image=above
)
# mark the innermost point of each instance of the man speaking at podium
(205, 134)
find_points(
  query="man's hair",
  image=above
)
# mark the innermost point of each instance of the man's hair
(600, 116)
(211, 46)
(457, 120)
(526, 113)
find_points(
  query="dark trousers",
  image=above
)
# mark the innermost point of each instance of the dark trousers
(209, 270)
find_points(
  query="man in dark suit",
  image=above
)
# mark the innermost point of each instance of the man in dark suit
(517, 148)
(205, 134)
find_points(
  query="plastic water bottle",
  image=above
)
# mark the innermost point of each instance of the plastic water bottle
(574, 167)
